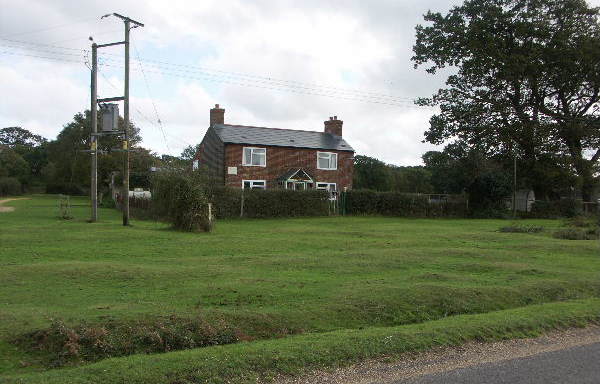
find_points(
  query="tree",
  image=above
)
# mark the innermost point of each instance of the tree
(189, 152)
(370, 173)
(71, 166)
(414, 179)
(17, 136)
(12, 164)
(526, 82)
(31, 147)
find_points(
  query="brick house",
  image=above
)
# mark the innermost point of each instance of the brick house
(259, 157)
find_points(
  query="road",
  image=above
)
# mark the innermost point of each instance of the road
(560, 357)
(577, 365)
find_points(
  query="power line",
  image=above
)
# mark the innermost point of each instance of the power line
(213, 78)
(41, 57)
(51, 27)
(162, 65)
(151, 98)
(260, 82)
(270, 80)
(139, 112)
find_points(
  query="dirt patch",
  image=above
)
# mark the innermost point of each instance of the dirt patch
(447, 359)
(9, 209)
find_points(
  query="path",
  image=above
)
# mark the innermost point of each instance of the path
(9, 209)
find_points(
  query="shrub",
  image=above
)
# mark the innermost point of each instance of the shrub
(487, 193)
(10, 186)
(285, 203)
(555, 208)
(62, 344)
(576, 234)
(581, 222)
(367, 202)
(521, 229)
(181, 198)
(269, 203)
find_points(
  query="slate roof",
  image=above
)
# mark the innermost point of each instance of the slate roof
(243, 134)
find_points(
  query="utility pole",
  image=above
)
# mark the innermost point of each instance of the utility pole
(126, 135)
(129, 24)
(94, 137)
(515, 186)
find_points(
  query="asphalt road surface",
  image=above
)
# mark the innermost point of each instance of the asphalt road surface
(577, 365)
(570, 356)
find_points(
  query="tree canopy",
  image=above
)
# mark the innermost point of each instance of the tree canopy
(525, 81)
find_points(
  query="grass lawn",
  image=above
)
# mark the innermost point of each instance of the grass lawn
(339, 283)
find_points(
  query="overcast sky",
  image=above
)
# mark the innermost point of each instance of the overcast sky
(229, 52)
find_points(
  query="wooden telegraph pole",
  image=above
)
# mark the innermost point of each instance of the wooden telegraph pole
(129, 24)
(94, 137)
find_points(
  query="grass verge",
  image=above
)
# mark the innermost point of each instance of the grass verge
(263, 360)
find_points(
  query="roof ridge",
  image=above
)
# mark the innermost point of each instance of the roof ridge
(281, 129)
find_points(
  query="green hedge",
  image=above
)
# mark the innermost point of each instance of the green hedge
(10, 186)
(366, 202)
(555, 209)
(269, 203)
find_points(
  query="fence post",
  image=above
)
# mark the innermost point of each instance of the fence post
(242, 204)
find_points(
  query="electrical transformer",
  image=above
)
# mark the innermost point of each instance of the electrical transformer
(109, 114)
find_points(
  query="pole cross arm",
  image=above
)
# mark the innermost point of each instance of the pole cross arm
(109, 99)
(125, 18)
(110, 44)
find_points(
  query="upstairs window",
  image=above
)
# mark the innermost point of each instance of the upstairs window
(254, 157)
(327, 160)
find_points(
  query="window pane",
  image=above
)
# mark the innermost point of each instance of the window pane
(333, 163)
(258, 158)
(323, 163)
(247, 156)
(246, 184)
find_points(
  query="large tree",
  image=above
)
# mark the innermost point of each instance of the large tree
(69, 165)
(525, 81)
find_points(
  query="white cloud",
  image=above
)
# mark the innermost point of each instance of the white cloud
(347, 44)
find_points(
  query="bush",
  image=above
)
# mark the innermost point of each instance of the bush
(367, 202)
(521, 229)
(269, 203)
(576, 234)
(62, 344)
(10, 186)
(71, 189)
(487, 193)
(181, 198)
(555, 209)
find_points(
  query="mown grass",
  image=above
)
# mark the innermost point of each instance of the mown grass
(265, 360)
(265, 278)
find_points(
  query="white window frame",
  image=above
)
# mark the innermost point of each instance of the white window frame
(325, 186)
(252, 149)
(252, 182)
(328, 155)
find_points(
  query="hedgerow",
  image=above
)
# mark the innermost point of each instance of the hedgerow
(269, 203)
(367, 202)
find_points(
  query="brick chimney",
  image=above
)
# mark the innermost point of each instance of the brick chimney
(217, 115)
(334, 126)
